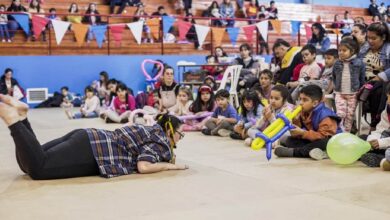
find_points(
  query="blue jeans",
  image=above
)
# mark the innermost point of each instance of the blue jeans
(4, 31)
(13, 26)
(89, 115)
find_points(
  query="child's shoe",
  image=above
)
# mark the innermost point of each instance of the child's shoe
(9, 41)
(318, 154)
(281, 151)
(248, 142)
(206, 131)
(385, 165)
(371, 159)
(235, 135)
(3, 41)
(224, 132)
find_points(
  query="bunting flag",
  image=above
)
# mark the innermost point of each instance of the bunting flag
(136, 29)
(295, 26)
(217, 35)
(60, 28)
(23, 21)
(116, 31)
(80, 30)
(99, 31)
(38, 23)
(201, 32)
(263, 29)
(248, 30)
(184, 27)
(168, 22)
(233, 34)
(277, 25)
(154, 25)
(308, 31)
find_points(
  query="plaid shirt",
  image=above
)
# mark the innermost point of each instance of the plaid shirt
(117, 152)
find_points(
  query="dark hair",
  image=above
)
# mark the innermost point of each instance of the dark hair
(313, 91)
(223, 93)
(8, 70)
(112, 81)
(351, 44)
(280, 42)
(2, 6)
(361, 27)
(89, 9)
(160, 7)
(38, 6)
(52, 9)
(315, 38)
(224, 54)
(106, 78)
(250, 95)
(246, 46)
(166, 67)
(208, 57)
(332, 52)
(65, 88)
(214, 88)
(380, 29)
(121, 86)
(388, 89)
(283, 91)
(88, 89)
(272, 2)
(70, 7)
(266, 72)
(196, 106)
(310, 48)
(164, 119)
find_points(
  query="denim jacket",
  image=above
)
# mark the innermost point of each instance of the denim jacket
(384, 57)
(358, 74)
(325, 44)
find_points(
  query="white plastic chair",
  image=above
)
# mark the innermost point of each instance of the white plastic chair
(234, 73)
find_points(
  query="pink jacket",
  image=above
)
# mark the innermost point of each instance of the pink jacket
(122, 107)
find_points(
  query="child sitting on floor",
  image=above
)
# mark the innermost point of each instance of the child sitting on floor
(124, 103)
(314, 126)
(183, 103)
(251, 109)
(224, 117)
(90, 109)
(277, 104)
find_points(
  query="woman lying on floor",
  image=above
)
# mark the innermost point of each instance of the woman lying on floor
(88, 152)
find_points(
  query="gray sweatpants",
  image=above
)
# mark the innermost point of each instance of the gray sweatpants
(215, 128)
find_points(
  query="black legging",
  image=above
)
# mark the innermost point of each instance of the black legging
(65, 157)
(377, 102)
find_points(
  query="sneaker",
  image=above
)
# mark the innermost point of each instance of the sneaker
(224, 132)
(385, 165)
(9, 41)
(144, 40)
(3, 41)
(124, 121)
(371, 159)
(318, 154)
(151, 41)
(248, 142)
(281, 151)
(206, 131)
(235, 135)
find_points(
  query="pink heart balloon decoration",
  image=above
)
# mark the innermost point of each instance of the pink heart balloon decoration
(148, 77)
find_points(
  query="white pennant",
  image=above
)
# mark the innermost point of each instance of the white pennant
(60, 28)
(263, 28)
(202, 32)
(136, 29)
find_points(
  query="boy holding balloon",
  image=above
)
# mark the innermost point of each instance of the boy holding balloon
(313, 127)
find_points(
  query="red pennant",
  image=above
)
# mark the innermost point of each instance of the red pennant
(116, 31)
(308, 32)
(39, 23)
(248, 30)
(184, 27)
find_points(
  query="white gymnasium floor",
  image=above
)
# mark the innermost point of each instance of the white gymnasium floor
(226, 180)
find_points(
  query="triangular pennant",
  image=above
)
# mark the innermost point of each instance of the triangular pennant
(80, 30)
(154, 25)
(263, 29)
(201, 32)
(248, 30)
(136, 29)
(308, 31)
(277, 25)
(218, 36)
(100, 32)
(295, 26)
(184, 27)
(233, 34)
(38, 23)
(116, 31)
(23, 21)
(168, 22)
(60, 28)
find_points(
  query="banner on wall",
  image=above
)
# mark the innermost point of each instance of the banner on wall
(23, 21)
(201, 32)
(168, 22)
(295, 26)
(154, 25)
(38, 23)
(80, 30)
(116, 31)
(263, 29)
(218, 35)
(60, 28)
(308, 31)
(277, 25)
(184, 27)
(99, 31)
(248, 30)
(136, 29)
(233, 34)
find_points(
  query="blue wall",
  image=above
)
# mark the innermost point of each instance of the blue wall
(352, 3)
(53, 72)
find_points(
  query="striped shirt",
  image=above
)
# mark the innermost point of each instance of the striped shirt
(117, 152)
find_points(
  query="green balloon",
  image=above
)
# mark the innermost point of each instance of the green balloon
(346, 148)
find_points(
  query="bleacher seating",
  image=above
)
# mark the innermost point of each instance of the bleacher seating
(287, 11)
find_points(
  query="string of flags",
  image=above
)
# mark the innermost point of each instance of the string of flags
(136, 28)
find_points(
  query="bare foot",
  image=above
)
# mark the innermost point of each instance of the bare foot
(9, 114)
(21, 107)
